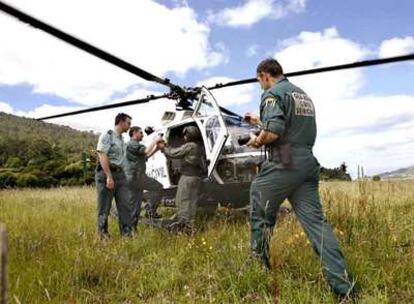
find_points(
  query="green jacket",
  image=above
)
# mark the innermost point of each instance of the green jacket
(135, 156)
(190, 154)
(287, 111)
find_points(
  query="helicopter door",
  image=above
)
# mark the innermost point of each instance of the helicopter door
(208, 117)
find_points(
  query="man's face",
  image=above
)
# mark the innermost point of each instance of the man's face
(138, 135)
(264, 80)
(126, 124)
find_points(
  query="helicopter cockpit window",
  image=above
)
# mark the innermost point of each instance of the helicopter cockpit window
(212, 130)
(208, 116)
(205, 109)
(234, 122)
(213, 127)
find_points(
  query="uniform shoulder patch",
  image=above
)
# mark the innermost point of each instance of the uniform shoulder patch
(270, 101)
(303, 104)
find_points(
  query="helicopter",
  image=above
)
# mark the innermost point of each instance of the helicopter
(231, 165)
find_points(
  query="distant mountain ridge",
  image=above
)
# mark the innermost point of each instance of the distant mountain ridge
(402, 173)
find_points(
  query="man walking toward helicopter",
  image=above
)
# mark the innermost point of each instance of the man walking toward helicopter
(287, 120)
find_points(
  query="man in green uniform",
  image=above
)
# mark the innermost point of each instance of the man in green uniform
(192, 171)
(110, 177)
(138, 181)
(287, 119)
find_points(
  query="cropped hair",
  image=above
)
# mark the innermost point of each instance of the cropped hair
(271, 66)
(132, 130)
(121, 117)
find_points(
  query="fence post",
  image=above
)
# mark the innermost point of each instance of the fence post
(3, 264)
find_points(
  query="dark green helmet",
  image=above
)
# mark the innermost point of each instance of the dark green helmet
(193, 134)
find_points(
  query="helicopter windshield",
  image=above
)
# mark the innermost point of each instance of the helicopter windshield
(213, 127)
(236, 127)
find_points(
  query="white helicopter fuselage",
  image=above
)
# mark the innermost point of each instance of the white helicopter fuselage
(231, 167)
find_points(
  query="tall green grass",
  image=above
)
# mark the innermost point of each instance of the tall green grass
(56, 257)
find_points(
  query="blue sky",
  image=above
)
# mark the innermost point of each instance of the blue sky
(194, 42)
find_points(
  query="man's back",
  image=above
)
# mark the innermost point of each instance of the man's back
(289, 106)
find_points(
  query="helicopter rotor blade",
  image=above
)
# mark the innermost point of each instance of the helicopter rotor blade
(323, 69)
(229, 112)
(109, 106)
(36, 23)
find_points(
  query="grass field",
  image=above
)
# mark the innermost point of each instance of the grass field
(55, 256)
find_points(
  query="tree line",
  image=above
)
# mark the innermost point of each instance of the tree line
(39, 154)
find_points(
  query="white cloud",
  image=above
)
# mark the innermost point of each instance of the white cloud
(145, 33)
(237, 95)
(374, 131)
(253, 11)
(316, 49)
(396, 47)
(5, 107)
(143, 114)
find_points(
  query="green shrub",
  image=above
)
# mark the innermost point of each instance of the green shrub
(7, 180)
(27, 180)
(13, 162)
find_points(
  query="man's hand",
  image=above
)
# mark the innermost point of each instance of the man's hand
(110, 183)
(252, 142)
(264, 138)
(251, 119)
(161, 145)
(158, 139)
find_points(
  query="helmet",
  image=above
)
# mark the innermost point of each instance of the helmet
(192, 133)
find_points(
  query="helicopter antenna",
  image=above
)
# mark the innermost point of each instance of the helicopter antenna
(358, 64)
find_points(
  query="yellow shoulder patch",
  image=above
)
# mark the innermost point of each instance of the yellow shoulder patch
(270, 101)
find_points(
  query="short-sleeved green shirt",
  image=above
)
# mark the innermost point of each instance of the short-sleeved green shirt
(287, 111)
(113, 145)
(135, 156)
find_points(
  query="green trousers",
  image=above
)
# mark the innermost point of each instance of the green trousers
(186, 198)
(301, 187)
(137, 183)
(104, 200)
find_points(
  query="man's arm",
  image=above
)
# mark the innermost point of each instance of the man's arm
(104, 144)
(264, 138)
(273, 124)
(252, 119)
(103, 159)
(153, 151)
(179, 152)
(153, 147)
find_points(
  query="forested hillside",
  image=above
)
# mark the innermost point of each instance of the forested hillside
(40, 154)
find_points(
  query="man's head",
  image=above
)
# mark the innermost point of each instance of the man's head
(191, 133)
(136, 133)
(268, 72)
(123, 122)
